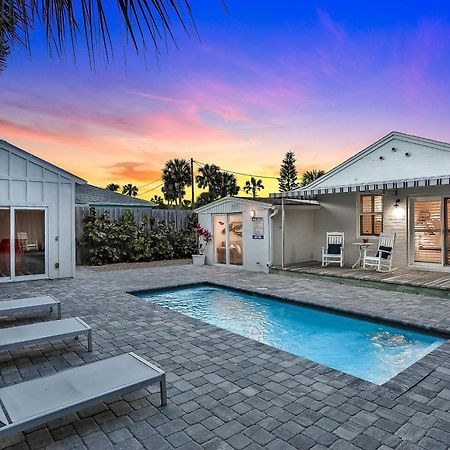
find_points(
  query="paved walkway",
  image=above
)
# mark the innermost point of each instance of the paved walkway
(226, 391)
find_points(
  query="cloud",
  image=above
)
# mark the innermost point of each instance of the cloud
(134, 170)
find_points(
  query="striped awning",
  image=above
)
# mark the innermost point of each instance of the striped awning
(365, 187)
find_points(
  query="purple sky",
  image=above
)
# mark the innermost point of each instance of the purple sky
(321, 79)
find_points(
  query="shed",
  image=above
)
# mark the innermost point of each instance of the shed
(37, 223)
(243, 230)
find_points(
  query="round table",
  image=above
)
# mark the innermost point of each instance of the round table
(362, 247)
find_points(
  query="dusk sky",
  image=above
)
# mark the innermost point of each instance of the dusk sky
(324, 79)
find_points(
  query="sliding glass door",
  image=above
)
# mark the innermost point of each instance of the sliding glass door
(5, 244)
(447, 230)
(23, 243)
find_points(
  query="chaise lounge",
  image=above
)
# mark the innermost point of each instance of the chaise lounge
(35, 402)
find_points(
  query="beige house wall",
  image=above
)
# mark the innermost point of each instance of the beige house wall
(306, 231)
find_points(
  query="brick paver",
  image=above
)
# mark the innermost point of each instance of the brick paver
(226, 391)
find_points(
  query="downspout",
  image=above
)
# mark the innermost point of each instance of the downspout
(275, 212)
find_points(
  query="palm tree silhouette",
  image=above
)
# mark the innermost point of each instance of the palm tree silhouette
(130, 190)
(176, 177)
(311, 175)
(253, 186)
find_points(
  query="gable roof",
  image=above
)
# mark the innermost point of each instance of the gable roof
(39, 161)
(87, 194)
(391, 162)
(239, 202)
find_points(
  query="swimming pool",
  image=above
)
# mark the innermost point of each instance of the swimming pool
(364, 349)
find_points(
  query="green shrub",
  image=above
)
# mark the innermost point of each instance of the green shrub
(125, 241)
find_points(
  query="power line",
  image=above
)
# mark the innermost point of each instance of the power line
(152, 189)
(200, 164)
(148, 184)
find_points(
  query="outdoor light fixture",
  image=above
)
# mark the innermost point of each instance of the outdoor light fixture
(397, 202)
(252, 213)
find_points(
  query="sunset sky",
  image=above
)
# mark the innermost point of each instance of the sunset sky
(323, 79)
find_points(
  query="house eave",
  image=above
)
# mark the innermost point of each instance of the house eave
(364, 187)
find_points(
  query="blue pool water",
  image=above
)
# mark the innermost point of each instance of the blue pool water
(367, 350)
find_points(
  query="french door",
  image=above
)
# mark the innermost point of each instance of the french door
(23, 243)
(430, 239)
(228, 241)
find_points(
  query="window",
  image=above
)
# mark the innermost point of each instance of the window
(371, 215)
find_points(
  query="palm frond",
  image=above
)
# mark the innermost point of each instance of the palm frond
(148, 23)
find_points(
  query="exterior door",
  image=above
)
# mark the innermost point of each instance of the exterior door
(220, 239)
(228, 241)
(23, 243)
(427, 231)
(447, 230)
(5, 244)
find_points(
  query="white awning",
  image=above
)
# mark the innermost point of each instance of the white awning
(379, 186)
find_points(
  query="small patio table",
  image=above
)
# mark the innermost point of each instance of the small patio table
(362, 247)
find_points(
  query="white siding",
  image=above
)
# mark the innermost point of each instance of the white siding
(24, 181)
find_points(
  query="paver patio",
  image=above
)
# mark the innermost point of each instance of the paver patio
(226, 391)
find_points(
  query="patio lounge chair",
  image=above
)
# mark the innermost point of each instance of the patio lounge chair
(35, 333)
(27, 305)
(35, 402)
(333, 252)
(383, 257)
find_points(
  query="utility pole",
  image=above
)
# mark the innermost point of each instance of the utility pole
(192, 183)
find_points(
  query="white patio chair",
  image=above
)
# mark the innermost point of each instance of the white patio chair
(383, 257)
(22, 236)
(333, 252)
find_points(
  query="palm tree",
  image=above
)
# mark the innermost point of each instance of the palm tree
(253, 186)
(176, 177)
(66, 22)
(311, 175)
(112, 187)
(219, 183)
(207, 176)
(130, 190)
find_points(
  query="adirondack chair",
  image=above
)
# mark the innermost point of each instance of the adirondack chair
(383, 256)
(333, 252)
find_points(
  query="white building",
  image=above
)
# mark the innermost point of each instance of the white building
(37, 223)
(398, 185)
(246, 232)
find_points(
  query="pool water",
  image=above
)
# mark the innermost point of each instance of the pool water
(364, 349)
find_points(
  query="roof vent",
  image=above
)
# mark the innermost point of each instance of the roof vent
(394, 149)
(381, 158)
(407, 154)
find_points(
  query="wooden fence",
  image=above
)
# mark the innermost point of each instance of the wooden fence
(178, 218)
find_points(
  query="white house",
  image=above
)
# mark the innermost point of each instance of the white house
(246, 231)
(399, 184)
(37, 223)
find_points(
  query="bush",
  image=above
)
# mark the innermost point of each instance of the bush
(125, 241)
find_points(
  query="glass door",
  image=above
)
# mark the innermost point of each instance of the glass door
(427, 231)
(235, 241)
(5, 244)
(29, 232)
(447, 230)
(220, 239)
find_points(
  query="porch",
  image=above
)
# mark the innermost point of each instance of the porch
(400, 279)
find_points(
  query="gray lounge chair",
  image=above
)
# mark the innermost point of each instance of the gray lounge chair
(27, 305)
(35, 333)
(35, 402)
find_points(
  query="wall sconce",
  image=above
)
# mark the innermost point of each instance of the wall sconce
(252, 213)
(397, 202)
